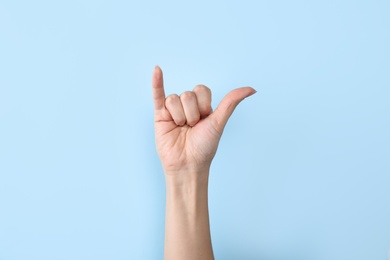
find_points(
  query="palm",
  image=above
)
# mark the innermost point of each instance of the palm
(184, 146)
(187, 132)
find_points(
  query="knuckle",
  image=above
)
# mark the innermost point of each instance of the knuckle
(201, 88)
(171, 99)
(187, 95)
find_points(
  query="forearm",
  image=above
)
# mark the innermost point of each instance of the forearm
(187, 229)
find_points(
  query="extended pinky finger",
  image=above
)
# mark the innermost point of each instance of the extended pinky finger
(173, 105)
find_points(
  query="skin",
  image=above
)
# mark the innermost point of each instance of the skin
(187, 133)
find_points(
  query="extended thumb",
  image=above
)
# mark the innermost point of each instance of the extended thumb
(225, 109)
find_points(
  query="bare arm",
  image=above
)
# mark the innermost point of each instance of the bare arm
(187, 135)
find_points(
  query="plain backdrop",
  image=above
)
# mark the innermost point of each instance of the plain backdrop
(303, 168)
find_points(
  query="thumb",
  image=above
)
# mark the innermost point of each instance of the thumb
(226, 107)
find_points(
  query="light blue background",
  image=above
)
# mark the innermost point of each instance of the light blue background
(303, 168)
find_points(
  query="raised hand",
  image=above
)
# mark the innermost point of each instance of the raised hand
(187, 136)
(187, 131)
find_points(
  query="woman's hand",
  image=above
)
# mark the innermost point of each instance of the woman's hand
(187, 131)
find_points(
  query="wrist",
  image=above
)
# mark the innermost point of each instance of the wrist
(187, 185)
(198, 177)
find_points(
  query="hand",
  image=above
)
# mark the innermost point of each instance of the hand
(187, 132)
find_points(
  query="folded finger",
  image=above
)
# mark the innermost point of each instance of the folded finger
(173, 105)
(190, 107)
(203, 96)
